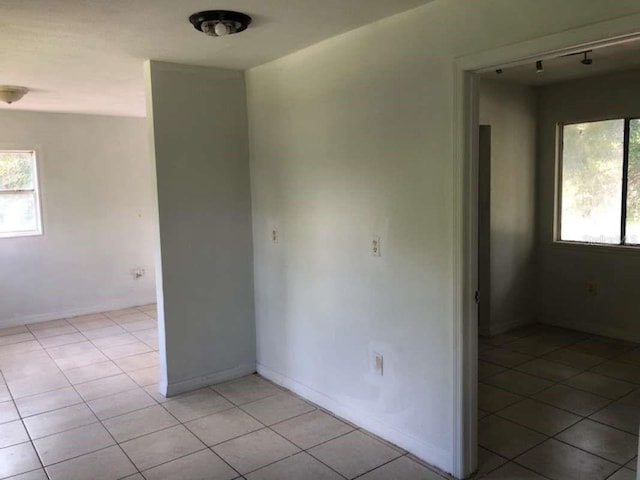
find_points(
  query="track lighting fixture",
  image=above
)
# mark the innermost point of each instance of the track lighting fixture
(499, 71)
(586, 60)
(539, 67)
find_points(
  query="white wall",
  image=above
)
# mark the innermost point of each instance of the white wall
(352, 138)
(511, 111)
(565, 270)
(199, 127)
(96, 205)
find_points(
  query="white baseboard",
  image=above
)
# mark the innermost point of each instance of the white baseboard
(176, 388)
(433, 455)
(598, 329)
(74, 312)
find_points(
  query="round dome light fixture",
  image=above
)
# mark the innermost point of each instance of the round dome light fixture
(218, 23)
(12, 93)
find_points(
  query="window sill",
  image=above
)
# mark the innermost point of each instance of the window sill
(20, 234)
(596, 247)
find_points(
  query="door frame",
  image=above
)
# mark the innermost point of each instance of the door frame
(465, 193)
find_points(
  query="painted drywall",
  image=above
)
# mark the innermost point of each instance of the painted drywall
(198, 118)
(353, 138)
(511, 111)
(565, 270)
(97, 218)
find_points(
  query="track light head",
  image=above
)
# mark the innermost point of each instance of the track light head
(586, 60)
(539, 67)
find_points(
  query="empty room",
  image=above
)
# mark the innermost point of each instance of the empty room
(364, 239)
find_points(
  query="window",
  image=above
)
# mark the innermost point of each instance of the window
(19, 202)
(600, 183)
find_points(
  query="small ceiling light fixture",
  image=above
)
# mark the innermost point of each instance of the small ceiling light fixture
(586, 60)
(539, 67)
(12, 93)
(499, 71)
(218, 23)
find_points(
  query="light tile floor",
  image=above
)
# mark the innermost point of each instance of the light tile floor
(79, 401)
(558, 404)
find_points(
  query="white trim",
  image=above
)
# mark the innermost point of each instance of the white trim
(74, 312)
(429, 453)
(465, 362)
(171, 389)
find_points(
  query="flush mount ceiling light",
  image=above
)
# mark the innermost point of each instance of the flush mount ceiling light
(217, 23)
(12, 93)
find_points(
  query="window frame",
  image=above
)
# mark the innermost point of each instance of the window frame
(557, 236)
(38, 231)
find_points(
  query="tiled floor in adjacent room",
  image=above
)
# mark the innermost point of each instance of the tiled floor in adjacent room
(78, 401)
(558, 404)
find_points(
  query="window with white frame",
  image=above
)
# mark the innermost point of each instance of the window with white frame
(599, 188)
(19, 200)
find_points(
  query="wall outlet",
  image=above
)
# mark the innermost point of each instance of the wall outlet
(379, 363)
(592, 289)
(138, 273)
(375, 246)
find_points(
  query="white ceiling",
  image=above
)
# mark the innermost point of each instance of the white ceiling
(609, 59)
(86, 56)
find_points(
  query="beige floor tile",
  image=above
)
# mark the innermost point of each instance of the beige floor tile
(557, 460)
(16, 338)
(223, 426)
(601, 385)
(601, 347)
(60, 340)
(135, 362)
(38, 474)
(142, 324)
(277, 408)
(104, 332)
(18, 459)
(114, 340)
(16, 367)
(92, 372)
(354, 454)
(620, 415)
(161, 447)
(549, 370)
(519, 383)
(76, 355)
(488, 461)
(122, 313)
(85, 318)
(92, 324)
(311, 429)
(539, 417)
(127, 350)
(504, 357)
(12, 433)
(13, 330)
(624, 474)
(152, 390)
(531, 346)
(121, 403)
(146, 376)
(35, 384)
(139, 423)
(246, 390)
(601, 440)
(14, 350)
(401, 469)
(72, 443)
(501, 339)
(492, 399)
(53, 331)
(573, 400)
(48, 324)
(632, 356)
(574, 358)
(619, 370)
(105, 386)
(8, 412)
(45, 402)
(255, 450)
(633, 398)
(486, 369)
(108, 464)
(301, 466)
(633, 464)
(512, 471)
(150, 337)
(5, 396)
(506, 438)
(203, 465)
(60, 420)
(199, 404)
